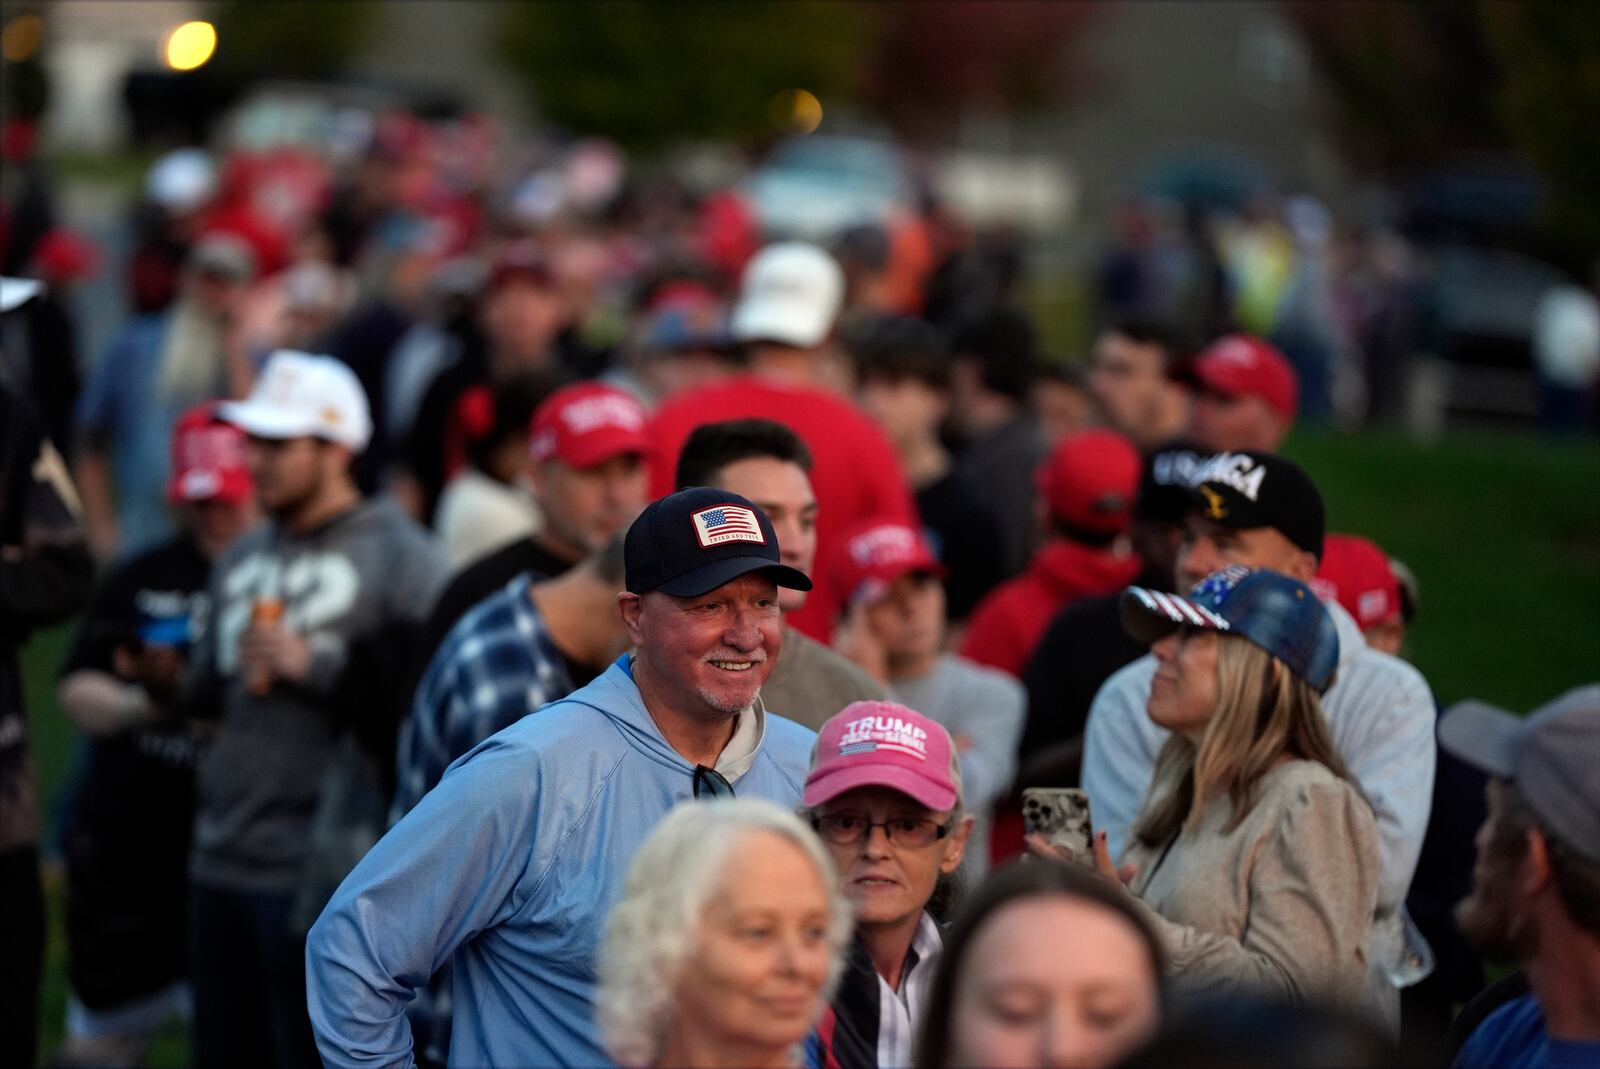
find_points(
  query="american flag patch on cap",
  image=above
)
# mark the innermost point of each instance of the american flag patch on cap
(726, 523)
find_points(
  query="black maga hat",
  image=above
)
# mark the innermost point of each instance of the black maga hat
(1244, 490)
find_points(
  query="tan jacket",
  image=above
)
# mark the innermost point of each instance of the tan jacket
(1283, 904)
(811, 682)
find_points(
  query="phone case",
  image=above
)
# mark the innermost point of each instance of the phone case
(1060, 814)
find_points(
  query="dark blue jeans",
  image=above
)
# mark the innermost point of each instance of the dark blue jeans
(249, 975)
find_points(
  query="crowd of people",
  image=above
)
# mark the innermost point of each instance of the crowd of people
(573, 632)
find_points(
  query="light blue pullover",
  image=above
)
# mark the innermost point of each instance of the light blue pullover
(511, 864)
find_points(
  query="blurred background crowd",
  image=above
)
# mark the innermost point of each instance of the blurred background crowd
(1357, 233)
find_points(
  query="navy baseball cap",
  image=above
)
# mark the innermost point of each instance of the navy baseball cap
(1279, 614)
(693, 541)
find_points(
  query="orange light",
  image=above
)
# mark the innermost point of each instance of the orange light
(21, 37)
(797, 110)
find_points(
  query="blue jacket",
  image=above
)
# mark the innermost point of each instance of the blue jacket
(511, 864)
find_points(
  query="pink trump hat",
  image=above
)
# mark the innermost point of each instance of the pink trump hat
(881, 744)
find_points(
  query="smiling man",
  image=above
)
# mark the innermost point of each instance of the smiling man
(510, 865)
(884, 792)
(768, 463)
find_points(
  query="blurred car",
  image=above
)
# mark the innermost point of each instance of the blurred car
(328, 120)
(1483, 303)
(816, 186)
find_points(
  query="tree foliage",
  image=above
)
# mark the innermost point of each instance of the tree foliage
(649, 74)
(938, 59)
(1414, 83)
(1549, 103)
(1418, 84)
(291, 38)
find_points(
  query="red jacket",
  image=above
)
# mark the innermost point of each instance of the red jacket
(857, 474)
(1008, 623)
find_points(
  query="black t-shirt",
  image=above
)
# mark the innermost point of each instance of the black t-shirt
(480, 579)
(1444, 877)
(424, 453)
(158, 597)
(1083, 646)
(966, 540)
(128, 826)
(364, 342)
(45, 576)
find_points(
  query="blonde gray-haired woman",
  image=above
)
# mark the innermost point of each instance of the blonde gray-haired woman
(1256, 856)
(726, 941)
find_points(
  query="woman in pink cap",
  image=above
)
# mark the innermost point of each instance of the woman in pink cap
(884, 793)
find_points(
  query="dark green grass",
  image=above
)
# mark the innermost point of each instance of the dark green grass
(1502, 531)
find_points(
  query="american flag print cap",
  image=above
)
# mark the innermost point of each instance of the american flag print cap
(1281, 615)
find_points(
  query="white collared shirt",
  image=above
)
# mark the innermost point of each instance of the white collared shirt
(900, 1011)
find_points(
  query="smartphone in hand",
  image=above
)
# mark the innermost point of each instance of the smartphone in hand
(1061, 815)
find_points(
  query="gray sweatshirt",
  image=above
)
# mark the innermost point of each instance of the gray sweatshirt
(811, 682)
(364, 578)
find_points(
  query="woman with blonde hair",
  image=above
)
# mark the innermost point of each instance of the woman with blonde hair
(726, 942)
(1255, 855)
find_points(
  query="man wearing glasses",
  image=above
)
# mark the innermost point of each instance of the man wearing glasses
(884, 792)
(508, 867)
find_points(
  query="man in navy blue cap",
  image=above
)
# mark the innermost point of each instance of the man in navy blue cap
(509, 866)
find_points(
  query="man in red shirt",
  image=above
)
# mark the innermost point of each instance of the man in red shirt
(788, 305)
(1085, 497)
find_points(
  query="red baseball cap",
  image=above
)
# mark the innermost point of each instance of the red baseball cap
(881, 551)
(1091, 481)
(1240, 364)
(881, 744)
(1356, 573)
(520, 259)
(208, 462)
(587, 424)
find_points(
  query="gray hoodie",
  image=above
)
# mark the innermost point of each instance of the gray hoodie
(355, 586)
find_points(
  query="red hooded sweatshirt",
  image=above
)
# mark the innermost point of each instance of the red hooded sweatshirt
(1009, 621)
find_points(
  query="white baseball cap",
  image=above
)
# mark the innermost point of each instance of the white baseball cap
(181, 181)
(16, 292)
(790, 294)
(300, 395)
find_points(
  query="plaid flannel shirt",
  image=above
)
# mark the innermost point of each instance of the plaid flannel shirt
(496, 666)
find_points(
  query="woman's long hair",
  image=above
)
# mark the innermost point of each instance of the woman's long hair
(1264, 712)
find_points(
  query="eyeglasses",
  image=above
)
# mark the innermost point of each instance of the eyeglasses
(842, 829)
(709, 783)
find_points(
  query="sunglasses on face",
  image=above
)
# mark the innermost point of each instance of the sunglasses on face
(844, 829)
(709, 783)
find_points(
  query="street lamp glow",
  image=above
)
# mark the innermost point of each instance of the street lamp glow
(796, 110)
(21, 37)
(190, 45)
